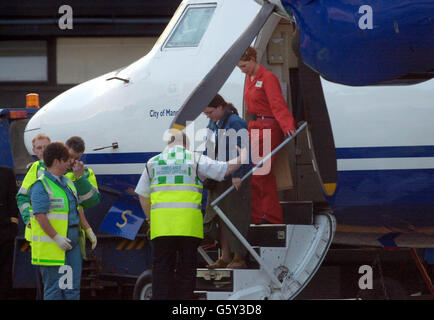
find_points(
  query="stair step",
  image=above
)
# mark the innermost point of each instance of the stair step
(294, 268)
(214, 279)
(267, 235)
(297, 212)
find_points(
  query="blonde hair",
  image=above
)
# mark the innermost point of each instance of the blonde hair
(250, 54)
(40, 136)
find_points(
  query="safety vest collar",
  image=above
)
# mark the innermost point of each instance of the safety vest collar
(49, 183)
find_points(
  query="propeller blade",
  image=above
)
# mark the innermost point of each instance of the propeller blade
(214, 80)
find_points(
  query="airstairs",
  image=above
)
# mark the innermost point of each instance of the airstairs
(284, 257)
(289, 256)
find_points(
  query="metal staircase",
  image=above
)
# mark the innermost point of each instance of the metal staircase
(292, 252)
(285, 257)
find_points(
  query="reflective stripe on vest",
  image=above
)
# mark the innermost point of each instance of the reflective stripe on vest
(176, 195)
(92, 180)
(45, 250)
(172, 205)
(35, 171)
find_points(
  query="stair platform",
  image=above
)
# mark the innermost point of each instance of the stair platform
(288, 256)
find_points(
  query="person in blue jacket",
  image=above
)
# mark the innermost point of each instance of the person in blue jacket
(61, 280)
(227, 131)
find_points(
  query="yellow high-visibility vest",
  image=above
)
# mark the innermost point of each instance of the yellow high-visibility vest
(23, 201)
(176, 194)
(45, 250)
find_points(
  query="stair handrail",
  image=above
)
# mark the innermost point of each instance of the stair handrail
(280, 146)
(230, 225)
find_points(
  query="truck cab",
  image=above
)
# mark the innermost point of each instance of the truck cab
(13, 154)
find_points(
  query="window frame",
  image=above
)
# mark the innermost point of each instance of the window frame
(51, 63)
(164, 46)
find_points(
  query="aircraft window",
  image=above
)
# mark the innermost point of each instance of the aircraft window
(191, 28)
(23, 61)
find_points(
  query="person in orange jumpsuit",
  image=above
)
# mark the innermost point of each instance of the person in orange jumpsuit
(264, 100)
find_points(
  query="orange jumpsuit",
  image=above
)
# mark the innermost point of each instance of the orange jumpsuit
(263, 97)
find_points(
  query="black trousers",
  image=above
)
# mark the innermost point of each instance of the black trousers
(174, 263)
(6, 260)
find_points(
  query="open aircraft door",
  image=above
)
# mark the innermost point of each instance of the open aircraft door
(284, 266)
(287, 255)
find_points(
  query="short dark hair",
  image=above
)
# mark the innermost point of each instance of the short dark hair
(55, 150)
(76, 143)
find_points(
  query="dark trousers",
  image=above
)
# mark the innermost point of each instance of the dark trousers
(6, 260)
(39, 284)
(174, 263)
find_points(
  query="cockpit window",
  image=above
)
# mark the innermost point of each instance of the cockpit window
(191, 27)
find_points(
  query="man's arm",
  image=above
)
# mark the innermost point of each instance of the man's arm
(236, 163)
(84, 224)
(22, 197)
(143, 189)
(146, 206)
(63, 242)
(218, 170)
(87, 188)
(45, 224)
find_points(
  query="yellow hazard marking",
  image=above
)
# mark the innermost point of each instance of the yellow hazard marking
(330, 188)
(121, 245)
(178, 126)
(131, 245)
(141, 245)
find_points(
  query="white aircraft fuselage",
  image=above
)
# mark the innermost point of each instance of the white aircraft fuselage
(383, 135)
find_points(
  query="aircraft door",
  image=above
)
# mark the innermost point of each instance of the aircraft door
(313, 155)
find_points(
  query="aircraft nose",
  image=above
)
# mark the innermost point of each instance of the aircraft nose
(33, 128)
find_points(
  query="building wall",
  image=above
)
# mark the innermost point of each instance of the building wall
(80, 59)
(37, 55)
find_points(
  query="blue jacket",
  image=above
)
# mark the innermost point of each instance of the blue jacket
(236, 123)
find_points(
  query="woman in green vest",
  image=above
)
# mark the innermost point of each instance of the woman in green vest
(55, 232)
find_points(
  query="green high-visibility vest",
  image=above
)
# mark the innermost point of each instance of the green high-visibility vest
(45, 250)
(176, 194)
(87, 188)
(35, 171)
(23, 200)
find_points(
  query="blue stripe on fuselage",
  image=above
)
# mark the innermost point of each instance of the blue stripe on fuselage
(341, 153)
(385, 152)
(117, 158)
(361, 197)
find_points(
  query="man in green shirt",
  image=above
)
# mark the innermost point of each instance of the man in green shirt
(85, 181)
(39, 142)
